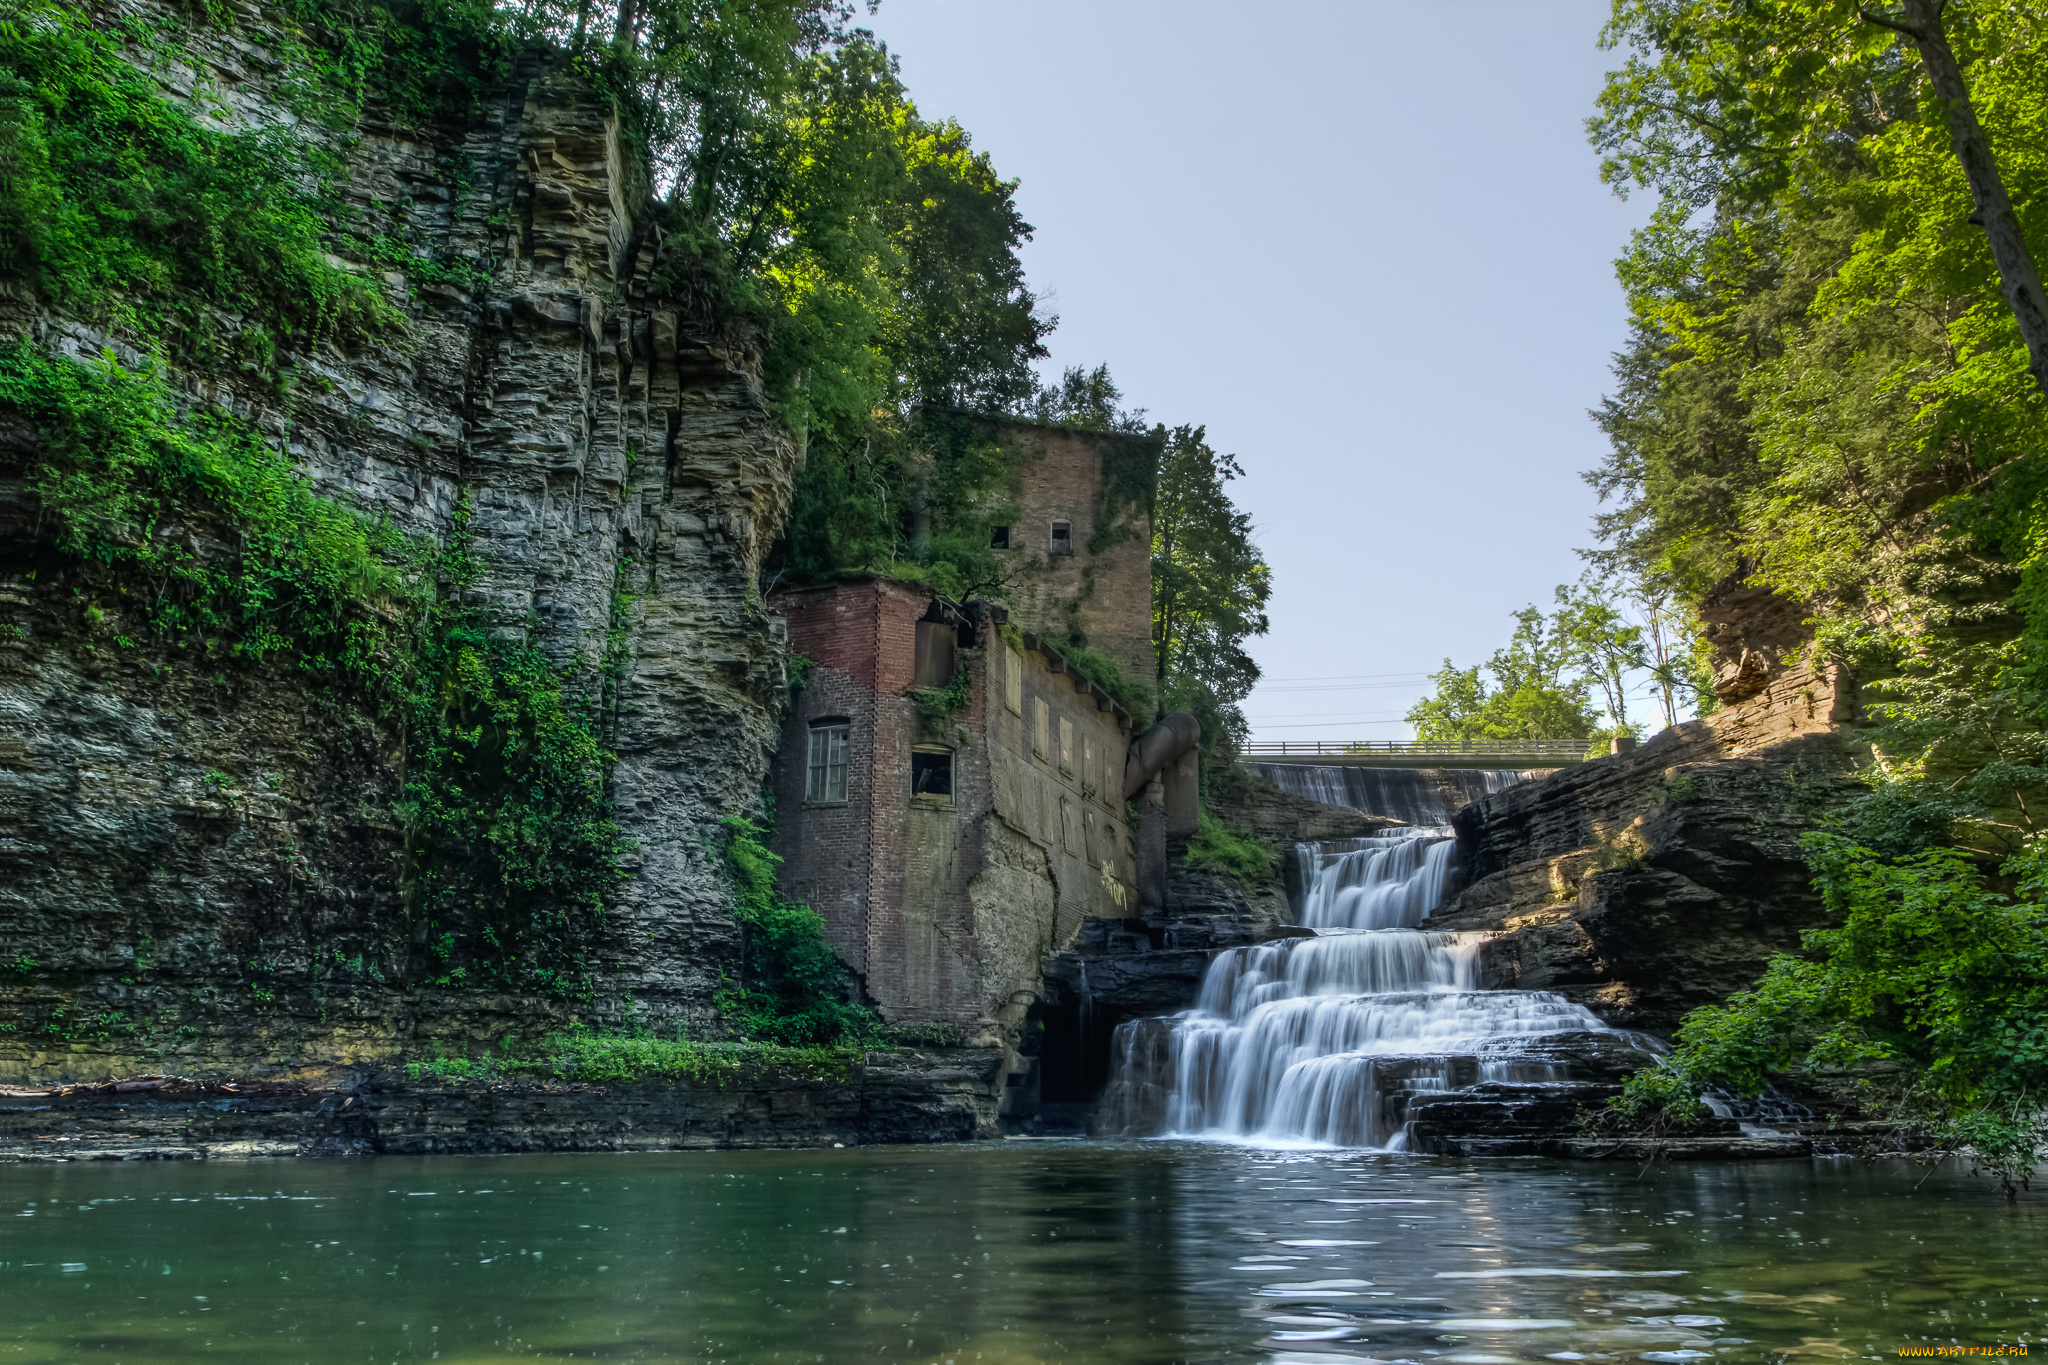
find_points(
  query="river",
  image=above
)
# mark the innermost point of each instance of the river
(1010, 1253)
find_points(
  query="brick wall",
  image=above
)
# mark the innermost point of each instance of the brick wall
(1105, 596)
(945, 910)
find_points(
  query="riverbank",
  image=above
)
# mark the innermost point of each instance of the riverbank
(897, 1095)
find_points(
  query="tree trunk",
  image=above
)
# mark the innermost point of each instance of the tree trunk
(2019, 279)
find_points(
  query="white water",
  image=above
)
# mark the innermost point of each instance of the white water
(1323, 1040)
(1416, 796)
(1387, 881)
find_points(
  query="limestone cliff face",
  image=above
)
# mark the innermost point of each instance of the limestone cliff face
(1649, 883)
(201, 865)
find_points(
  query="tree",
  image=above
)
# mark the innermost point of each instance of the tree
(1600, 644)
(1210, 582)
(1834, 389)
(1088, 399)
(1734, 100)
(1534, 694)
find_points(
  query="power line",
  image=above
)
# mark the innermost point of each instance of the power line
(1325, 725)
(1331, 715)
(1346, 677)
(1342, 687)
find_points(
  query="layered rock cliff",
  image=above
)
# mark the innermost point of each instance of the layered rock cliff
(1649, 883)
(203, 868)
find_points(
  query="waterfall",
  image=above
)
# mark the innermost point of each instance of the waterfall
(1416, 796)
(1323, 1039)
(1386, 881)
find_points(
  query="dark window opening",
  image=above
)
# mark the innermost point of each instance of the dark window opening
(931, 773)
(999, 538)
(934, 662)
(1062, 538)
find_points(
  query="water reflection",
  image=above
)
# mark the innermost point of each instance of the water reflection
(1007, 1254)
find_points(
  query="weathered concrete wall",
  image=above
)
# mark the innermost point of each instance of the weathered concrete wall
(1065, 794)
(201, 864)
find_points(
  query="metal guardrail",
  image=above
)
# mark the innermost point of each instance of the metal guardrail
(1545, 748)
(1528, 753)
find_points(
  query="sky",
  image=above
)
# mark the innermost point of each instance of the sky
(1365, 244)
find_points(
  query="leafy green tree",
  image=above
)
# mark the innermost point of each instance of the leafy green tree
(1603, 646)
(1532, 691)
(1210, 585)
(1735, 101)
(1834, 389)
(1088, 399)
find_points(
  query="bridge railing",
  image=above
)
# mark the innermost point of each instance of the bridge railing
(1323, 748)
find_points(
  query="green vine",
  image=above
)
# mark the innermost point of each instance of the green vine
(1130, 483)
(792, 988)
(936, 706)
(120, 208)
(513, 840)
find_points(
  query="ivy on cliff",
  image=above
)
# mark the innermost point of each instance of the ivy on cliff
(232, 555)
(120, 208)
(507, 805)
(232, 549)
(792, 988)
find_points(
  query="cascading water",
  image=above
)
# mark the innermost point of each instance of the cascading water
(1325, 1039)
(1386, 881)
(1415, 796)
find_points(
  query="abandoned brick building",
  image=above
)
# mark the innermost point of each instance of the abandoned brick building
(950, 850)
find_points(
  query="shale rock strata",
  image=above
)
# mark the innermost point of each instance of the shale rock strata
(202, 868)
(1649, 883)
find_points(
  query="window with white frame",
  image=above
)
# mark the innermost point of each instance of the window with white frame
(825, 768)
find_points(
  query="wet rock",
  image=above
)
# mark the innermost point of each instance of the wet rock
(899, 1095)
(1646, 884)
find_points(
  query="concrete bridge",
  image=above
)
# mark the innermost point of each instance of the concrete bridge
(1395, 753)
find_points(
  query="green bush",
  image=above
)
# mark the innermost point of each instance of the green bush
(792, 989)
(1222, 848)
(590, 1056)
(1655, 1102)
(1935, 987)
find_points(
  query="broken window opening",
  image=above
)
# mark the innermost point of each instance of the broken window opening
(933, 666)
(999, 538)
(931, 774)
(1062, 538)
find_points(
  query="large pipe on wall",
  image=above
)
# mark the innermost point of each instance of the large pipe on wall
(1162, 765)
(1171, 738)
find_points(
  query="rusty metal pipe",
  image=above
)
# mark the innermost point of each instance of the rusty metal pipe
(1168, 739)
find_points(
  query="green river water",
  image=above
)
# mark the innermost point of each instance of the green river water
(1010, 1253)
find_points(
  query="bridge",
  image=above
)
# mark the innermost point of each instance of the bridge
(1397, 753)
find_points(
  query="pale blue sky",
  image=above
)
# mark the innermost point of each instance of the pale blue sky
(1367, 245)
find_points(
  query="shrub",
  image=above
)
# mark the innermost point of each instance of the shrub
(1236, 852)
(792, 988)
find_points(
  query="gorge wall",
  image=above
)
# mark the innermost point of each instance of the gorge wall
(203, 867)
(1649, 883)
